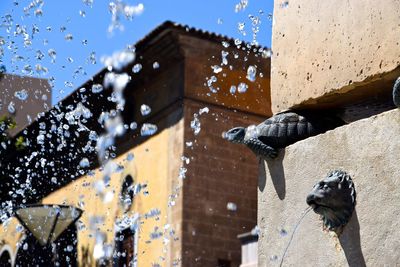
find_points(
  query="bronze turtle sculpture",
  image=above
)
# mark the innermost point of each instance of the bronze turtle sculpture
(282, 130)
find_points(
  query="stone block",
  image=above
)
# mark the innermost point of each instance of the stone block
(325, 50)
(368, 151)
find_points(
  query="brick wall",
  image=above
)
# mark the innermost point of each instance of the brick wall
(219, 172)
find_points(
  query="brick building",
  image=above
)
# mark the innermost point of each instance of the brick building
(23, 98)
(200, 191)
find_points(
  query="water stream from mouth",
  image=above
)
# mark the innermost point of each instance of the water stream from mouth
(307, 210)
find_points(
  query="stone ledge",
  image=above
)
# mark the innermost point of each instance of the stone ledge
(369, 151)
(329, 48)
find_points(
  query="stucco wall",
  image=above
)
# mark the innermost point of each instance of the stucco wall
(368, 151)
(322, 48)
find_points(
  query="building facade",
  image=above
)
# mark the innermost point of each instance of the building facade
(179, 197)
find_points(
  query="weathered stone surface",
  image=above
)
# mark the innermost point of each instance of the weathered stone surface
(322, 49)
(368, 151)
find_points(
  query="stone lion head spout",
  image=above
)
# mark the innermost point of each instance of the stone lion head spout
(334, 198)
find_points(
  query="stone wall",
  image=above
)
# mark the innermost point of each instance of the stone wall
(342, 56)
(368, 151)
(324, 49)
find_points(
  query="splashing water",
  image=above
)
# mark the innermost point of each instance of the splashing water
(148, 129)
(145, 110)
(22, 95)
(242, 88)
(241, 6)
(305, 212)
(251, 73)
(120, 9)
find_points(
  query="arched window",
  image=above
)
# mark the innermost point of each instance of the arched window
(5, 259)
(126, 196)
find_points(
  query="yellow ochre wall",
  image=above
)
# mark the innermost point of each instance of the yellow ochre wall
(156, 163)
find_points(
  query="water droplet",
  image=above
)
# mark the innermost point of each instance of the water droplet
(224, 55)
(241, 5)
(41, 69)
(145, 110)
(25, 246)
(68, 84)
(130, 157)
(266, 53)
(70, 248)
(220, 21)
(251, 73)
(204, 110)
(189, 144)
(156, 65)
(231, 206)
(40, 139)
(232, 89)
(84, 42)
(216, 68)
(148, 129)
(137, 67)
(242, 87)
(88, 2)
(182, 173)
(27, 69)
(84, 163)
(11, 107)
(119, 60)
(92, 58)
(195, 124)
(38, 12)
(131, 11)
(82, 13)
(284, 4)
(241, 28)
(39, 55)
(52, 54)
(225, 44)
(282, 233)
(19, 228)
(22, 95)
(133, 125)
(97, 88)
(68, 37)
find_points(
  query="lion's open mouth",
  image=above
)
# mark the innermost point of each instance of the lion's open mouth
(315, 205)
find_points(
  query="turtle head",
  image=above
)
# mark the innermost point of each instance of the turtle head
(235, 135)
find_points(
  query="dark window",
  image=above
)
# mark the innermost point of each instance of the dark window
(224, 263)
(5, 259)
(63, 252)
(126, 196)
(124, 254)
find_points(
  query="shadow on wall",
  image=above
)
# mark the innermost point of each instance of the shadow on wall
(277, 173)
(351, 242)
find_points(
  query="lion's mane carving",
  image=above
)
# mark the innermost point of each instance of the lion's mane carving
(334, 198)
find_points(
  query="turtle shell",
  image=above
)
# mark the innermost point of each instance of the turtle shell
(289, 127)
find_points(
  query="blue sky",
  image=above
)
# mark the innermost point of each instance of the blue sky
(213, 15)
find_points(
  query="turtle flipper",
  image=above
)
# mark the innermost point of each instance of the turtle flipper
(260, 149)
(396, 93)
